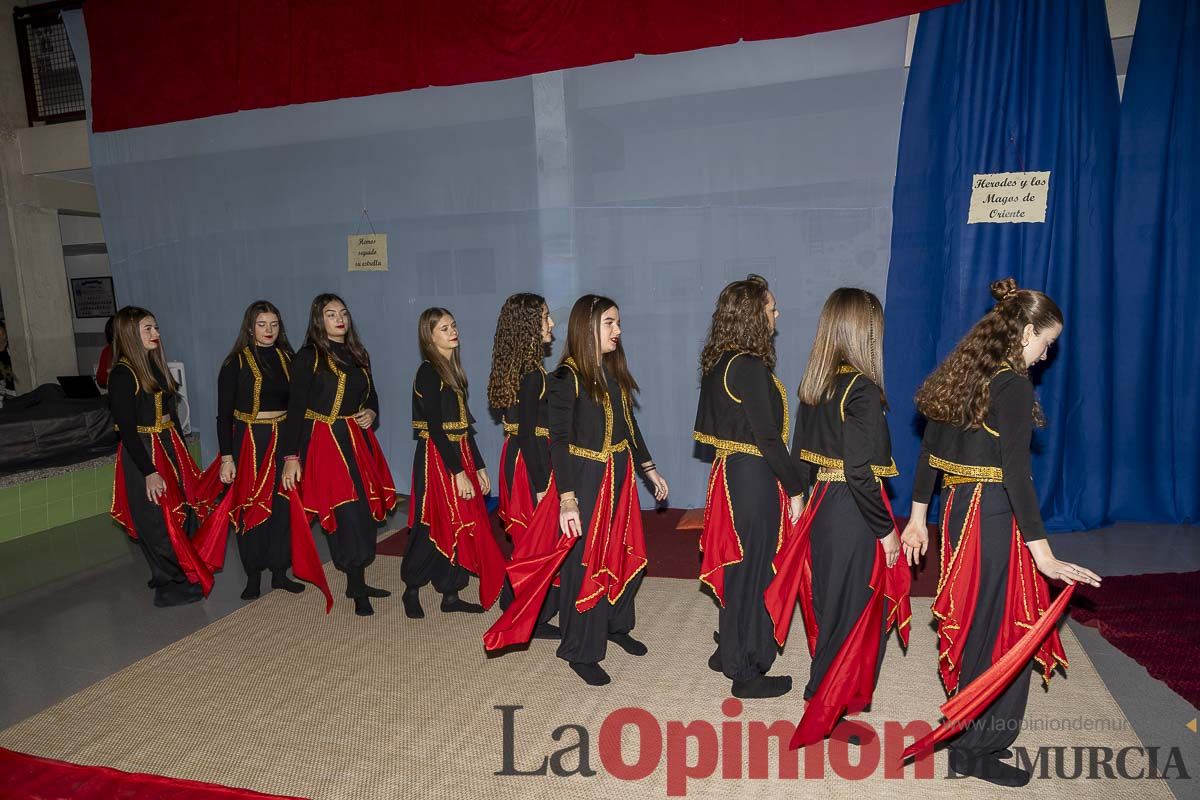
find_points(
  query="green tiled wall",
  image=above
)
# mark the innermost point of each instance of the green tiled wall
(41, 505)
(58, 526)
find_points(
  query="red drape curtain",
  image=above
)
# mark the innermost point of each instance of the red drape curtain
(163, 62)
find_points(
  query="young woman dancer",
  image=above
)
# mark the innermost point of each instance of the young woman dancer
(517, 387)
(345, 480)
(594, 444)
(743, 414)
(981, 411)
(450, 533)
(252, 401)
(155, 481)
(843, 446)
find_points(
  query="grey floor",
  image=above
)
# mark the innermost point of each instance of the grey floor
(61, 638)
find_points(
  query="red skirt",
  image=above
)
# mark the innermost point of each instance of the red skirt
(183, 491)
(460, 529)
(1026, 597)
(849, 683)
(327, 481)
(516, 501)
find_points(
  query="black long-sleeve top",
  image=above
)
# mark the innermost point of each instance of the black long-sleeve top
(579, 426)
(528, 422)
(336, 388)
(743, 408)
(998, 451)
(849, 433)
(440, 411)
(257, 379)
(137, 411)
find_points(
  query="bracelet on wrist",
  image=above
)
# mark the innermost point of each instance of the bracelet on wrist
(291, 458)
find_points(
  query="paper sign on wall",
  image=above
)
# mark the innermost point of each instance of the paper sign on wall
(1009, 197)
(368, 252)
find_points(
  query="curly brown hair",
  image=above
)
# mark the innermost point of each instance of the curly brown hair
(740, 324)
(517, 347)
(959, 390)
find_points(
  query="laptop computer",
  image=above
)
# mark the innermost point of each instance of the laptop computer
(79, 387)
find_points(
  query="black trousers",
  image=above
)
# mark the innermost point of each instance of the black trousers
(267, 545)
(843, 557)
(509, 466)
(747, 647)
(352, 543)
(997, 727)
(152, 538)
(585, 635)
(423, 562)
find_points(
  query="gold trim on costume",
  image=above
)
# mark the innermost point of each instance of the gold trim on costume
(845, 394)
(242, 416)
(987, 474)
(512, 428)
(725, 380)
(958, 480)
(599, 455)
(726, 446)
(836, 465)
(454, 437)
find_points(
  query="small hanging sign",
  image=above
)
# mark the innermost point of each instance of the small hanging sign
(367, 252)
(1009, 197)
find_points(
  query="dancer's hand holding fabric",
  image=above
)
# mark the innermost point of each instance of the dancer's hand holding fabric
(538, 497)
(568, 516)
(291, 473)
(795, 507)
(1057, 570)
(915, 539)
(658, 483)
(463, 486)
(228, 470)
(365, 418)
(891, 548)
(155, 486)
(485, 483)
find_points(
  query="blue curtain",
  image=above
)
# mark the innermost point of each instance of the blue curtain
(1010, 86)
(1156, 403)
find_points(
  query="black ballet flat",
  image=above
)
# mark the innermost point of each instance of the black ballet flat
(362, 607)
(628, 644)
(253, 588)
(592, 674)
(988, 768)
(412, 604)
(762, 686)
(453, 603)
(373, 592)
(714, 661)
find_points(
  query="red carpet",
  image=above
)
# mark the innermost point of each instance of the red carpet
(676, 554)
(25, 777)
(1154, 619)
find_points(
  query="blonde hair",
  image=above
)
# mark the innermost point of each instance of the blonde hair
(850, 331)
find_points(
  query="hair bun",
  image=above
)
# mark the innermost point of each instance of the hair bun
(1004, 289)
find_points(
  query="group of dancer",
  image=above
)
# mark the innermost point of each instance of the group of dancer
(808, 525)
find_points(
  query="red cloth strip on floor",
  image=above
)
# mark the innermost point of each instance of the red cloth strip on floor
(26, 777)
(1154, 619)
(164, 62)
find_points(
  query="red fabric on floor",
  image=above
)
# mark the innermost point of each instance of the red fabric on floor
(1154, 619)
(26, 777)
